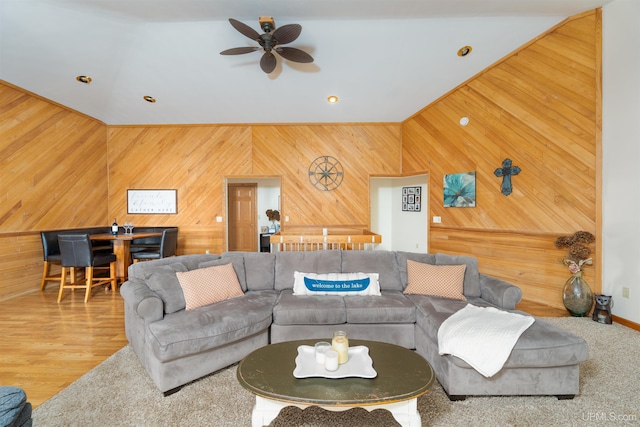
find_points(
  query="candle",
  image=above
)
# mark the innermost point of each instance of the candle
(331, 360)
(321, 349)
(340, 343)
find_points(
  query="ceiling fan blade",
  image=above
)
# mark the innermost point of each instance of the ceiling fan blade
(245, 29)
(239, 50)
(268, 62)
(294, 54)
(287, 33)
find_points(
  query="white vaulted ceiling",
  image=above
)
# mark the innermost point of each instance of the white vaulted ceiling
(384, 59)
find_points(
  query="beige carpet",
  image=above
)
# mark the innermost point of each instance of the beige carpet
(119, 393)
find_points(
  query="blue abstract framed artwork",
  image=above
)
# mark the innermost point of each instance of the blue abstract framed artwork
(460, 190)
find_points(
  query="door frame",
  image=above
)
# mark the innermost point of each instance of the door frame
(249, 179)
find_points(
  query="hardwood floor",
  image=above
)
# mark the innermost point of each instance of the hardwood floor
(46, 346)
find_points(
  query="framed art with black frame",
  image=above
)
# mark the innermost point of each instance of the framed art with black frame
(411, 199)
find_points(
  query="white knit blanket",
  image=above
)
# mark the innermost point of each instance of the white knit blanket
(482, 336)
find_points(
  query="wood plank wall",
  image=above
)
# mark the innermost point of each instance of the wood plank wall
(53, 172)
(196, 160)
(538, 107)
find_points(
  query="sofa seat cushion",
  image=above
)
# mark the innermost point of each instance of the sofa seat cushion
(390, 307)
(541, 345)
(309, 309)
(190, 332)
(287, 263)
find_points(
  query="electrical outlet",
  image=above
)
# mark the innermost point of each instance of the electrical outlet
(437, 220)
(625, 292)
(218, 219)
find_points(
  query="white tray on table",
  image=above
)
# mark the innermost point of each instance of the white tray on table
(359, 364)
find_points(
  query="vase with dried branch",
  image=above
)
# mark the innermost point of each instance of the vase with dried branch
(274, 216)
(577, 296)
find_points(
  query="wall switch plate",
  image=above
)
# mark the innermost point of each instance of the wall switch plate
(625, 292)
(218, 219)
(286, 218)
(437, 220)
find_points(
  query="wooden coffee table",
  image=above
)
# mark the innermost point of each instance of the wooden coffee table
(403, 376)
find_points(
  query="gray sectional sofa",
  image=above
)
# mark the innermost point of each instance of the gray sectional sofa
(177, 346)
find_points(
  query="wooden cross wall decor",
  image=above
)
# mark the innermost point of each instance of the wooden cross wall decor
(505, 172)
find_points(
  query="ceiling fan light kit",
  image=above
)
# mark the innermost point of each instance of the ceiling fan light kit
(270, 41)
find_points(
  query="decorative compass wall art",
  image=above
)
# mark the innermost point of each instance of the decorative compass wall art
(326, 173)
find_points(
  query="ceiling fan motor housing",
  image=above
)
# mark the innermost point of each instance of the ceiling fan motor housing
(267, 23)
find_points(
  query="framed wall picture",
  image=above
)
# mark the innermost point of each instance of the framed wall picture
(152, 201)
(460, 190)
(411, 199)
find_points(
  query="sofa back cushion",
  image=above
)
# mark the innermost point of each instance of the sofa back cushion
(163, 281)
(382, 262)
(402, 258)
(139, 270)
(259, 269)
(471, 274)
(287, 263)
(238, 266)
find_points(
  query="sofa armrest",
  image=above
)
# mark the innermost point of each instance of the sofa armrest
(498, 292)
(146, 303)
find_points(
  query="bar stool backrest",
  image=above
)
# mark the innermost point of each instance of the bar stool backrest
(76, 250)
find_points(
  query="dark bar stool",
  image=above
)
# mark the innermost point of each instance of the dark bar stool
(168, 245)
(77, 252)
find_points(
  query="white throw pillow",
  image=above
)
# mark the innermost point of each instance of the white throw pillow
(340, 284)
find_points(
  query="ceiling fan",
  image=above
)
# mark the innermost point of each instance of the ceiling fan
(270, 42)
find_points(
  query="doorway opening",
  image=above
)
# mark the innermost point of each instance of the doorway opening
(248, 199)
(401, 230)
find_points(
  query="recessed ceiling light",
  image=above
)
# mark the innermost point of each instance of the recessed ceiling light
(150, 99)
(464, 121)
(464, 51)
(84, 79)
(332, 99)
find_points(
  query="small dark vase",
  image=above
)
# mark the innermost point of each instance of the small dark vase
(577, 296)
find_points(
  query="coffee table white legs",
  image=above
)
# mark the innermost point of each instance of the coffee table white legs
(405, 412)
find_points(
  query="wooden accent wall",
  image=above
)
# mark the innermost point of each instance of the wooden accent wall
(195, 160)
(53, 172)
(539, 107)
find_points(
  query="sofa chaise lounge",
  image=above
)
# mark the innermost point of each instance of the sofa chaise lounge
(177, 346)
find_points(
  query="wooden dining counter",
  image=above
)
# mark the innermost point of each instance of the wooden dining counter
(122, 248)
